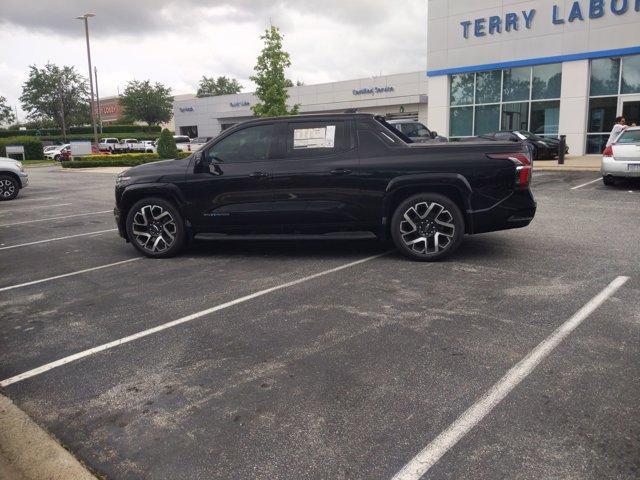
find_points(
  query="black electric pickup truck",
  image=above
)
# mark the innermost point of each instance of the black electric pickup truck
(326, 176)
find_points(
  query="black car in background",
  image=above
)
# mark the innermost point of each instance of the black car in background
(541, 147)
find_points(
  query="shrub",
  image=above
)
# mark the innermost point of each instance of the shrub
(167, 145)
(32, 147)
(119, 160)
(86, 131)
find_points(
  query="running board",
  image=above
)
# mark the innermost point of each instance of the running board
(286, 236)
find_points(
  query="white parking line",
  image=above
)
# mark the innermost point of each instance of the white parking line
(588, 183)
(165, 326)
(70, 274)
(36, 208)
(58, 238)
(424, 460)
(59, 217)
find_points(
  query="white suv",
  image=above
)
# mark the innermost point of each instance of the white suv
(12, 178)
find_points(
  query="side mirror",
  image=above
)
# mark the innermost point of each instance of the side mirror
(434, 134)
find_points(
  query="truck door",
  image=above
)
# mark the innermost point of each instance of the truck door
(231, 189)
(317, 184)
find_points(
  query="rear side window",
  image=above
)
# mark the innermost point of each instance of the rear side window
(250, 144)
(317, 139)
(629, 137)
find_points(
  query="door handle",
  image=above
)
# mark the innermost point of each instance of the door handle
(259, 175)
(340, 171)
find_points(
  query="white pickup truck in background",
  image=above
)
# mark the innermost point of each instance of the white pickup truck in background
(183, 142)
(126, 145)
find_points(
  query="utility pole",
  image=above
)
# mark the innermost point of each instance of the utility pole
(95, 71)
(86, 17)
(62, 121)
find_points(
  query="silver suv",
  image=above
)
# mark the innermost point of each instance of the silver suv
(12, 178)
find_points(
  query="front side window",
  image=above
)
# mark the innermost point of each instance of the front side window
(250, 144)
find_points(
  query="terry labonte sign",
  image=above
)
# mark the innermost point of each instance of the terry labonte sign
(577, 11)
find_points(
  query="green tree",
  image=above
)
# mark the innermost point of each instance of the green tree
(148, 103)
(6, 113)
(167, 145)
(58, 94)
(270, 79)
(211, 87)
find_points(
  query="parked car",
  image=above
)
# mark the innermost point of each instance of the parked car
(542, 148)
(183, 142)
(108, 144)
(58, 152)
(148, 146)
(198, 143)
(416, 131)
(321, 175)
(622, 159)
(13, 178)
(128, 145)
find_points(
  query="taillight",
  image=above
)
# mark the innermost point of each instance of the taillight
(524, 166)
(608, 152)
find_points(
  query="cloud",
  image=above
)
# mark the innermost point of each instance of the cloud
(176, 42)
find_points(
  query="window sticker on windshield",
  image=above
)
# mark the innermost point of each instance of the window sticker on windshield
(323, 137)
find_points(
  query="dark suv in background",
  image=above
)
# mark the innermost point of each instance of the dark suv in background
(351, 174)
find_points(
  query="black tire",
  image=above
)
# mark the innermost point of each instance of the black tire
(145, 238)
(608, 180)
(56, 158)
(425, 230)
(9, 187)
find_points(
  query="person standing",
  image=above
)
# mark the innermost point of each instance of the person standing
(619, 127)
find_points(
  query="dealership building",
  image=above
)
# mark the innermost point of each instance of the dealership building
(550, 67)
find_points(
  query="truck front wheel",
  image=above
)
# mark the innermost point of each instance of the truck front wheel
(427, 227)
(156, 228)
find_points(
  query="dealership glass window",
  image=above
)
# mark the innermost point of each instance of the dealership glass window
(545, 118)
(516, 84)
(596, 143)
(630, 74)
(487, 119)
(461, 122)
(515, 116)
(547, 81)
(602, 114)
(503, 99)
(462, 89)
(605, 76)
(488, 86)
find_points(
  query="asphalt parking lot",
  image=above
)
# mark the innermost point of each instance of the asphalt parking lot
(335, 360)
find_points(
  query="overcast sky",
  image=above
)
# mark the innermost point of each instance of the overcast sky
(177, 41)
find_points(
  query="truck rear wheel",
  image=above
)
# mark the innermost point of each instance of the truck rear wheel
(427, 227)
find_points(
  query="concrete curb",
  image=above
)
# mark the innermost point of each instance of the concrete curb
(27, 452)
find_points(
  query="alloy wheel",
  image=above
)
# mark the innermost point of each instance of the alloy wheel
(7, 188)
(154, 228)
(427, 228)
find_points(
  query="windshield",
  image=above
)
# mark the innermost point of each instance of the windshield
(393, 129)
(415, 129)
(632, 136)
(528, 135)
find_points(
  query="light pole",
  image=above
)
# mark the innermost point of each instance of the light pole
(86, 17)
